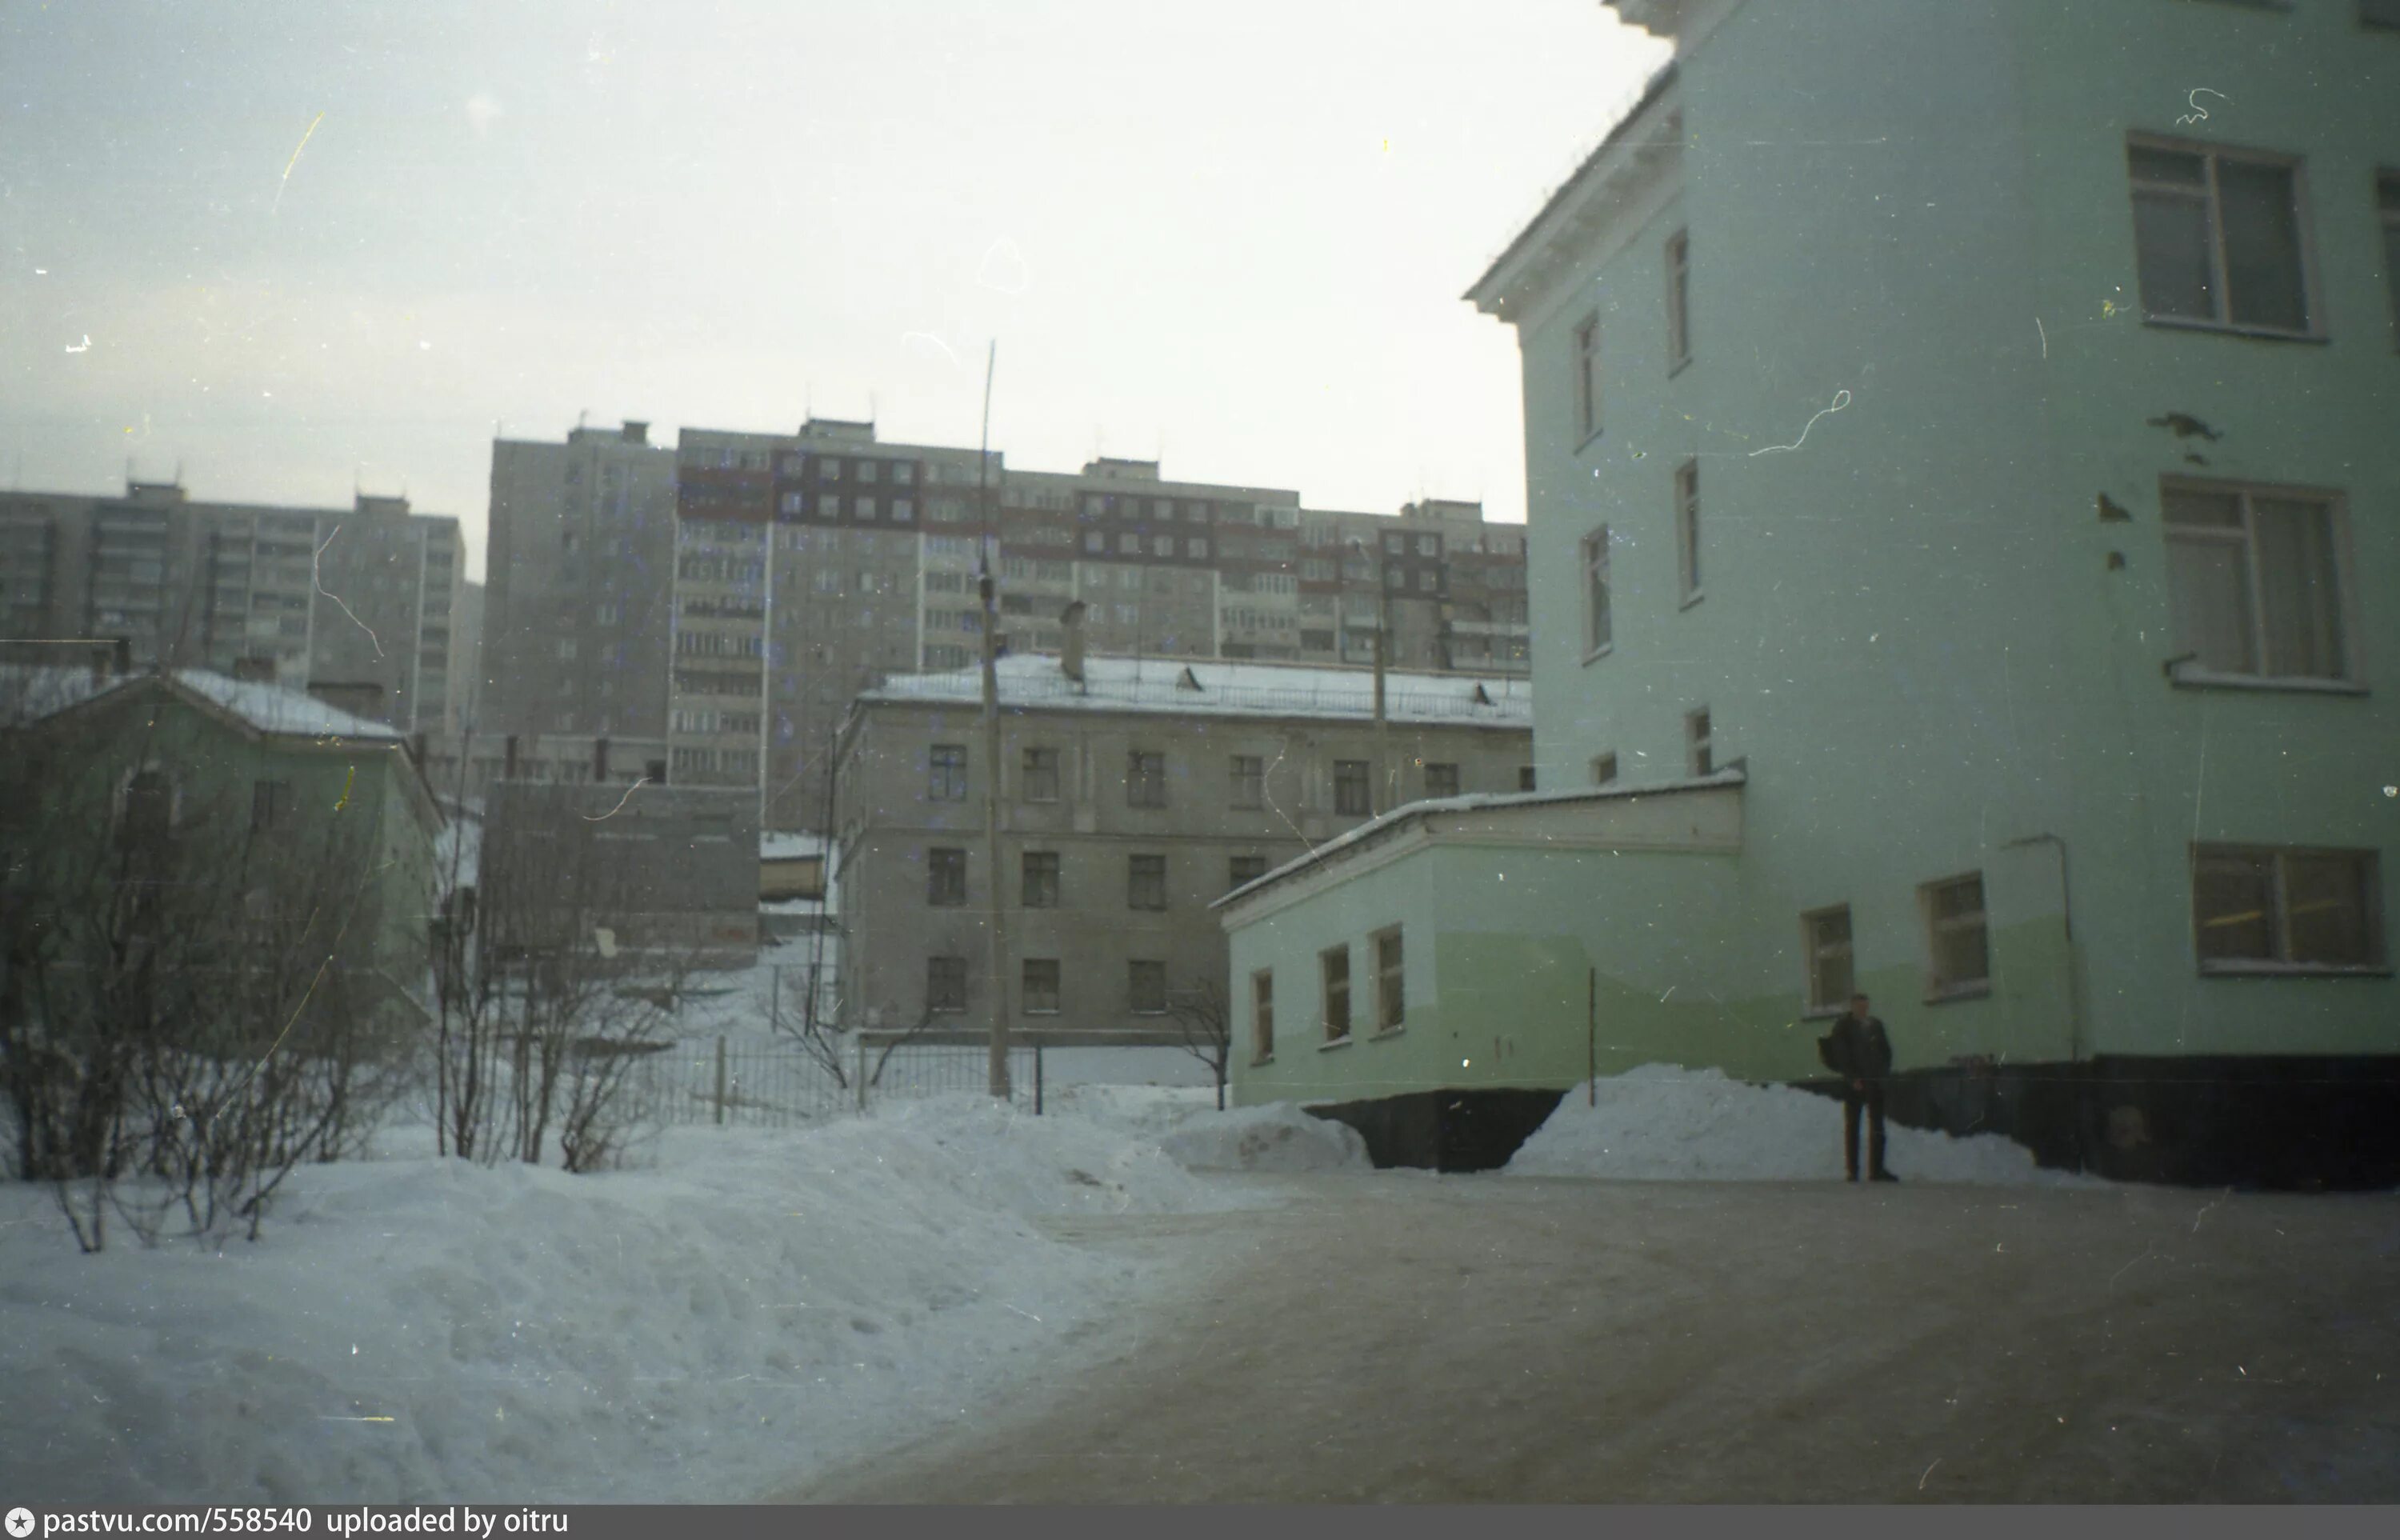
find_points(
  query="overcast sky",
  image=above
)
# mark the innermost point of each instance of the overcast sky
(1230, 236)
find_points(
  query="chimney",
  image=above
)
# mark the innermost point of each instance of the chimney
(364, 699)
(1070, 654)
(600, 759)
(637, 432)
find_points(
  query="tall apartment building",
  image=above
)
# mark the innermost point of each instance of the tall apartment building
(578, 587)
(363, 599)
(1966, 512)
(1131, 798)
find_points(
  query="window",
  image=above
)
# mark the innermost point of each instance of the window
(946, 878)
(1524, 778)
(2387, 209)
(148, 817)
(270, 804)
(947, 774)
(1146, 988)
(1441, 780)
(1597, 625)
(2379, 13)
(1697, 745)
(1146, 882)
(2254, 582)
(1959, 941)
(2256, 908)
(1688, 526)
(1145, 779)
(1250, 780)
(1039, 986)
(1587, 378)
(1391, 1002)
(866, 470)
(1263, 1016)
(1679, 299)
(1333, 967)
(1041, 890)
(1350, 788)
(1244, 868)
(946, 984)
(1040, 782)
(1827, 937)
(1603, 768)
(2217, 237)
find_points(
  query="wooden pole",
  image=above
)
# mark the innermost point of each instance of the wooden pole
(1592, 1038)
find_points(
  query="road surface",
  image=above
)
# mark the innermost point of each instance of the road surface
(1402, 1338)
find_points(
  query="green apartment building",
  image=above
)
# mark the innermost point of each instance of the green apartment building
(1963, 448)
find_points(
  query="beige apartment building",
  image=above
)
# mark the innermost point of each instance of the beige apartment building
(1131, 798)
(360, 600)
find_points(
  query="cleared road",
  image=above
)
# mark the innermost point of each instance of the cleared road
(1398, 1338)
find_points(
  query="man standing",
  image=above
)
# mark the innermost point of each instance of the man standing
(1859, 1052)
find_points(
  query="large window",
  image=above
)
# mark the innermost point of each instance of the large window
(1587, 378)
(1250, 780)
(1688, 526)
(1145, 779)
(1039, 988)
(1041, 778)
(2387, 210)
(1699, 742)
(1263, 1016)
(1244, 868)
(1041, 885)
(1333, 969)
(147, 820)
(1146, 988)
(1350, 788)
(2254, 579)
(946, 984)
(945, 776)
(1146, 882)
(1391, 999)
(1679, 299)
(1598, 627)
(946, 878)
(1958, 940)
(1826, 934)
(2258, 909)
(1441, 779)
(2218, 237)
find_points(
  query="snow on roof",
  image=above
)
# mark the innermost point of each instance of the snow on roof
(30, 691)
(788, 845)
(1473, 802)
(1211, 686)
(271, 708)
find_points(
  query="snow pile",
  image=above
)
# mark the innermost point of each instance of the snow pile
(1279, 1138)
(758, 1306)
(1140, 1111)
(1664, 1123)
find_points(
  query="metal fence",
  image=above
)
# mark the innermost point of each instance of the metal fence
(779, 1085)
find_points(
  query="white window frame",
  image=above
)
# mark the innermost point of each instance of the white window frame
(1587, 379)
(2277, 857)
(1391, 981)
(1936, 987)
(1599, 619)
(1324, 993)
(1679, 300)
(1687, 529)
(2212, 156)
(1814, 954)
(1263, 1016)
(2345, 599)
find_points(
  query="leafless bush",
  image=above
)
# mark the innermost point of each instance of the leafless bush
(1205, 1023)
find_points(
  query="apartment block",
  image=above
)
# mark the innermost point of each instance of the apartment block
(1130, 799)
(362, 600)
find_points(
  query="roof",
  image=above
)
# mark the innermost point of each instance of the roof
(1477, 802)
(1211, 686)
(267, 708)
(1572, 187)
(787, 845)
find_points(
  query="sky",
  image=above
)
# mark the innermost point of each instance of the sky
(293, 249)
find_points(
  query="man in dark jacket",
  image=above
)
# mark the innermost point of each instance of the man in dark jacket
(1859, 1052)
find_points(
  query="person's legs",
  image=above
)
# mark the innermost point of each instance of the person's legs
(1850, 1134)
(1875, 1132)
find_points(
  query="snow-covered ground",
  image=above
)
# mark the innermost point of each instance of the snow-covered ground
(1665, 1123)
(408, 1328)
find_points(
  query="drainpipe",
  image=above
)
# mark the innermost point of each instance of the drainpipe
(2074, 991)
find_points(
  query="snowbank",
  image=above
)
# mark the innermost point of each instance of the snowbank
(759, 1305)
(1279, 1138)
(1662, 1122)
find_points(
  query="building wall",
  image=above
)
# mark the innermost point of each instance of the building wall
(1909, 627)
(889, 823)
(670, 870)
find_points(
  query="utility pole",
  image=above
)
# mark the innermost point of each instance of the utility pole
(1378, 792)
(998, 994)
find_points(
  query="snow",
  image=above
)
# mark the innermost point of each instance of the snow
(1214, 688)
(271, 708)
(1279, 1138)
(1665, 1123)
(758, 1306)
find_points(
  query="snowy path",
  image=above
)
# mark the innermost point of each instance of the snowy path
(1395, 1337)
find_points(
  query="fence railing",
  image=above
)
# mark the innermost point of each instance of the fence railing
(778, 1085)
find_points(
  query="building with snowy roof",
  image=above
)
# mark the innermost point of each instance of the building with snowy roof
(1132, 792)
